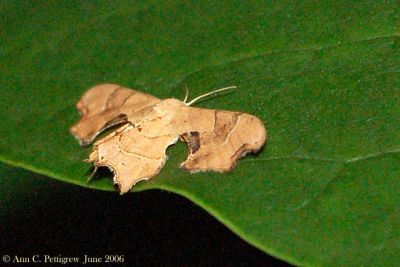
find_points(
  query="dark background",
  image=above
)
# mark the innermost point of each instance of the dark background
(43, 216)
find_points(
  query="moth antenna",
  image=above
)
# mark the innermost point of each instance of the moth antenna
(187, 94)
(210, 93)
(90, 178)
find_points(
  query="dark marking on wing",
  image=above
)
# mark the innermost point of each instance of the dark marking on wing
(224, 124)
(193, 141)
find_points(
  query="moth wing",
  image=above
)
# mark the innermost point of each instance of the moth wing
(106, 105)
(218, 138)
(131, 155)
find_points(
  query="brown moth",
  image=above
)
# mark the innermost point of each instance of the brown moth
(137, 150)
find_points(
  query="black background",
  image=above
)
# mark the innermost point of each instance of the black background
(149, 228)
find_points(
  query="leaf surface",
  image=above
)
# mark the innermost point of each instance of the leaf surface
(322, 75)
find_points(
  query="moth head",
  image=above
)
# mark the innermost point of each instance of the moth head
(169, 103)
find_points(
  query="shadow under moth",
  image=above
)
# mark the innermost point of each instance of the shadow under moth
(137, 149)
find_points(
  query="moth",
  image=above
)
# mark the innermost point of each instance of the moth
(148, 126)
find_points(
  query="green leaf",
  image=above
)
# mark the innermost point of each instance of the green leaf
(323, 75)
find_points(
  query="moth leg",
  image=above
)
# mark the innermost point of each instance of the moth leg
(92, 175)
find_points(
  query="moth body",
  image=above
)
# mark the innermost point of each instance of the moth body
(136, 151)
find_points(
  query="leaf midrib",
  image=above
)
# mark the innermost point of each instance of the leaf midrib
(46, 172)
(349, 160)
